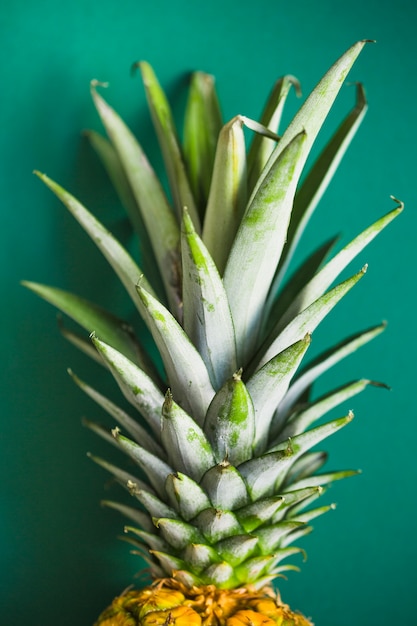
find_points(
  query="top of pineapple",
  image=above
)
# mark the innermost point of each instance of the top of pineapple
(223, 442)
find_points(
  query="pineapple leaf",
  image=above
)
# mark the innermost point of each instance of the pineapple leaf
(235, 550)
(261, 148)
(186, 495)
(140, 435)
(225, 487)
(187, 374)
(315, 109)
(278, 303)
(121, 476)
(303, 418)
(323, 479)
(141, 519)
(177, 533)
(202, 125)
(156, 507)
(122, 263)
(207, 317)
(160, 222)
(319, 177)
(155, 469)
(255, 514)
(270, 537)
(186, 444)
(257, 247)
(308, 320)
(167, 135)
(265, 474)
(323, 279)
(216, 524)
(230, 422)
(228, 192)
(114, 168)
(134, 383)
(93, 318)
(270, 383)
(324, 362)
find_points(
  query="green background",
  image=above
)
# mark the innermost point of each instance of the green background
(60, 561)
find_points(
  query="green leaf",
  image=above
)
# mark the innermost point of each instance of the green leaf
(270, 537)
(122, 477)
(177, 533)
(114, 168)
(167, 136)
(324, 362)
(199, 556)
(186, 495)
(235, 550)
(216, 525)
(302, 419)
(225, 487)
(269, 384)
(187, 374)
(186, 444)
(262, 147)
(140, 435)
(279, 301)
(93, 318)
(315, 109)
(160, 222)
(137, 387)
(155, 506)
(207, 318)
(120, 260)
(140, 518)
(323, 479)
(308, 320)
(263, 472)
(154, 468)
(325, 277)
(228, 192)
(230, 422)
(319, 177)
(202, 125)
(257, 247)
(260, 511)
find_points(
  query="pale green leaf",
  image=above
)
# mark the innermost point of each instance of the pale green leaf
(140, 435)
(120, 260)
(319, 177)
(171, 151)
(230, 422)
(269, 384)
(186, 444)
(160, 222)
(155, 469)
(228, 192)
(202, 125)
(207, 318)
(324, 362)
(257, 247)
(187, 374)
(308, 320)
(225, 487)
(186, 495)
(137, 387)
(325, 277)
(262, 147)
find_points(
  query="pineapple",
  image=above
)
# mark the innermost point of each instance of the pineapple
(222, 476)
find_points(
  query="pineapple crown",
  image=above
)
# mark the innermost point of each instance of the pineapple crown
(223, 443)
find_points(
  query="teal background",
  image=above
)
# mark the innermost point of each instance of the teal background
(60, 562)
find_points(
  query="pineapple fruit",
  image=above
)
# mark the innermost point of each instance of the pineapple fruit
(226, 480)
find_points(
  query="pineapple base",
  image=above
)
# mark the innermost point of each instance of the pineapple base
(168, 602)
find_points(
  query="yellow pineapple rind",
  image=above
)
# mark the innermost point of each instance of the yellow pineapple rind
(168, 602)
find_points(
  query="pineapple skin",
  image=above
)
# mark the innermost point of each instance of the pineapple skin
(169, 602)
